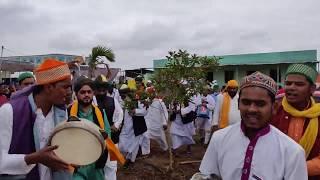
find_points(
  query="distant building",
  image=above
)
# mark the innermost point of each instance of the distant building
(273, 64)
(11, 66)
(38, 59)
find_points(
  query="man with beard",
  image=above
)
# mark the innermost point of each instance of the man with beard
(114, 112)
(226, 111)
(110, 105)
(83, 108)
(27, 121)
(298, 114)
(253, 149)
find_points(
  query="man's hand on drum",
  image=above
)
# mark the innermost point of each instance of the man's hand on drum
(47, 157)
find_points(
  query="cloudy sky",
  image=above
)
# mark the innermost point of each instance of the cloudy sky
(142, 30)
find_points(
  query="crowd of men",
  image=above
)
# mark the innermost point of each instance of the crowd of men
(251, 129)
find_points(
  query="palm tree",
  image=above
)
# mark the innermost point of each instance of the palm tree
(95, 58)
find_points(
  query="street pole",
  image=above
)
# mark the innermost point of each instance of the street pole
(2, 47)
(79, 68)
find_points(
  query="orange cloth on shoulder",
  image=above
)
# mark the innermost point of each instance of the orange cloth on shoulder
(115, 154)
(224, 113)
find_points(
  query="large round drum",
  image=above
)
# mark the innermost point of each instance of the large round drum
(80, 141)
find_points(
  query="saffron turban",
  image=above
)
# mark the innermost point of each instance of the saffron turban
(51, 71)
(232, 84)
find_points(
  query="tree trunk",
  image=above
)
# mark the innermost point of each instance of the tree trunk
(170, 169)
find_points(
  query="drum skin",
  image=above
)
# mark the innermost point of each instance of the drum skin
(80, 142)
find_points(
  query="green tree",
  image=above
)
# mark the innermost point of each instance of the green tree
(95, 58)
(184, 75)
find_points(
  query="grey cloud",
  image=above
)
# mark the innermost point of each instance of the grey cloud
(147, 37)
(140, 31)
(70, 41)
(20, 18)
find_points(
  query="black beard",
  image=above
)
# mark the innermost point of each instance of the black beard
(85, 104)
(232, 94)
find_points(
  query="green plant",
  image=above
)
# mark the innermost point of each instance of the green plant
(183, 76)
(96, 53)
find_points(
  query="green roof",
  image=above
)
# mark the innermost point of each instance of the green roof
(260, 58)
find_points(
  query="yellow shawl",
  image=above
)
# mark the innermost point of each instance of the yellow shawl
(224, 113)
(114, 152)
(309, 137)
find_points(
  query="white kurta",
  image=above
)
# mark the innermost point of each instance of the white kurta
(14, 163)
(118, 113)
(234, 113)
(127, 133)
(110, 170)
(181, 134)
(115, 94)
(156, 118)
(275, 156)
(129, 143)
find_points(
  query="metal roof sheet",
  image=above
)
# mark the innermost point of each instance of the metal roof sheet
(260, 58)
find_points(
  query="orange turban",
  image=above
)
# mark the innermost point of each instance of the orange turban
(50, 71)
(232, 84)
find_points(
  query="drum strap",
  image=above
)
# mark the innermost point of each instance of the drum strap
(115, 154)
(74, 112)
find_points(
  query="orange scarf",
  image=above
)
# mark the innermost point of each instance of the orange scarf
(115, 154)
(224, 113)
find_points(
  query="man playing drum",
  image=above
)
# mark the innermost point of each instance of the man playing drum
(83, 108)
(27, 121)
